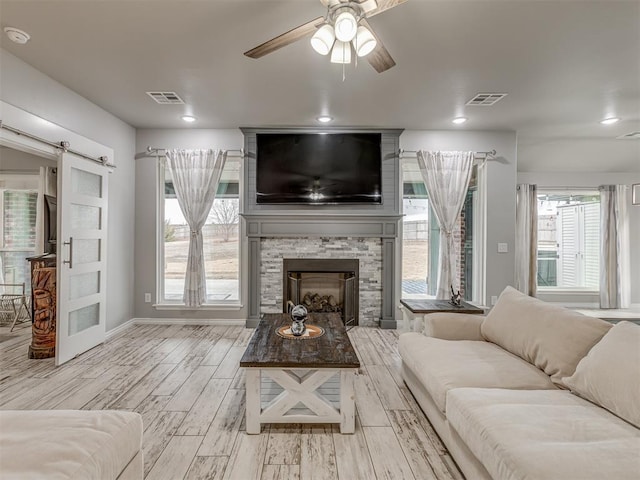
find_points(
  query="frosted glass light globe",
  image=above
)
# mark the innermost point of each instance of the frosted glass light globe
(346, 27)
(323, 39)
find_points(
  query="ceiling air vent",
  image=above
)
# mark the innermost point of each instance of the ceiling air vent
(486, 99)
(166, 98)
(630, 136)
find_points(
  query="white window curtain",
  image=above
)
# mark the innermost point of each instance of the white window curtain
(196, 174)
(526, 248)
(446, 176)
(615, 259)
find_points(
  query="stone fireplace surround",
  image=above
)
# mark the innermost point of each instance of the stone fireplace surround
(369, 238)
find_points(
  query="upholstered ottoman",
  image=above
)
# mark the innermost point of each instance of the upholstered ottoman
(70, 444)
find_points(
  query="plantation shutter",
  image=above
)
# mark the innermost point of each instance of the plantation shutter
(568, 247)
(591, 247)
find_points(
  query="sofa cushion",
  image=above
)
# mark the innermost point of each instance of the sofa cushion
(552, 338)
(64, 444)
(442, 365)
(610, 373)
(549, 434)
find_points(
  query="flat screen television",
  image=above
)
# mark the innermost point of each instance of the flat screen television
(314, 168)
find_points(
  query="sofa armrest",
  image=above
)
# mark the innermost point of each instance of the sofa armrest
(453, 326)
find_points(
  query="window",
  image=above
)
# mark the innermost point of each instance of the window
(17, 234)
(221, 237)
(421, 237)
(568, 240)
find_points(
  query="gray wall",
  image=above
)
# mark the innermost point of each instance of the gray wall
(501, 203)
(501, 192)
(545, 179)
(28, 89)
(22, 162)
(146, 246)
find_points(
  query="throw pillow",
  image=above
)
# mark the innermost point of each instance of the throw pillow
(610, 373)
(552, 338)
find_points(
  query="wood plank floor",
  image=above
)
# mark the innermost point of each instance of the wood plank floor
(186, 383)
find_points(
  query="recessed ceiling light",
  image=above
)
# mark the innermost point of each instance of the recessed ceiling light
(324, 118)
(16, 35)
(610, 121)
(188, 118)
(459, 120)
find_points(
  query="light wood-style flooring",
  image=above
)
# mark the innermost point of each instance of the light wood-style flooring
(186, 383)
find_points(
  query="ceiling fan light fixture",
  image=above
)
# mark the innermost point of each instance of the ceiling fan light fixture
(365, 42)
(341, 52)
(346, 26)
(323, 39)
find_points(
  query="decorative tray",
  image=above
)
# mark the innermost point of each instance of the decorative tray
(312, 331)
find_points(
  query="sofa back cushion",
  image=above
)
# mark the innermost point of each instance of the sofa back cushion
(552, 338)
(610, 373)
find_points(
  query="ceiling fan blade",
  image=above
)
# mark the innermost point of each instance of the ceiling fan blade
(285, 39)
(379, 58)
(384, 5)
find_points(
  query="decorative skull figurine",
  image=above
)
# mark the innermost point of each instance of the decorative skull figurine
(299, 316)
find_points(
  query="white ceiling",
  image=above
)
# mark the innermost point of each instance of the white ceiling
(564, 64)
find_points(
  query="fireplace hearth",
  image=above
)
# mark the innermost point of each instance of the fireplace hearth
(323, 285)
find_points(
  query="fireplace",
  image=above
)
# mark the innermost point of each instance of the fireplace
(323, 285)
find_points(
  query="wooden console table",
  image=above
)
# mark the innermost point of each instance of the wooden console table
(412, 309)
(43, 306)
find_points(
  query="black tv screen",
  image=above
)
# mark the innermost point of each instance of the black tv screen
(315, 168)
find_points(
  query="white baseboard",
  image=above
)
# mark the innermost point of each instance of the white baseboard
(120, 328)
(189, 321)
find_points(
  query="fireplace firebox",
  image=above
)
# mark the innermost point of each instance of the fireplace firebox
(323, 285)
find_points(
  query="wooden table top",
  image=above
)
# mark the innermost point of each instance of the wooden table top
(435, 306)
(331, 350)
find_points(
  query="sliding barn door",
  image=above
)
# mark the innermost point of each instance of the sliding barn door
(82, 247)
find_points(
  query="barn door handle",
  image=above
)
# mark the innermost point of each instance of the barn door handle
(70, 261)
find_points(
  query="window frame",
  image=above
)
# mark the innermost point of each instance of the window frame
(163, 304)
(20, 187)
(553, 291)
(477, 202)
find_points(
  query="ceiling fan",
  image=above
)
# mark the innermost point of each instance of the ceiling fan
(345, 25)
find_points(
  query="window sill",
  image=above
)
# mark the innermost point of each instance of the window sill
(566, 291)
(207, 307)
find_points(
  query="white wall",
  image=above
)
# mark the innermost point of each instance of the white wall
(580, 179)
(501, 181)
(28, 89)
(146, 213)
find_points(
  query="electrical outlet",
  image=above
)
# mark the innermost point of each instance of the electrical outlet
(147, 298)
(503, 248)
(494, 299)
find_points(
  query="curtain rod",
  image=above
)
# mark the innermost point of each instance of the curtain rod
(477, 155)
(63, 145)
(160, 152)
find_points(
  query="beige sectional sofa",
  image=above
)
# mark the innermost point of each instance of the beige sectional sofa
(531, 391)
(70, 444)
